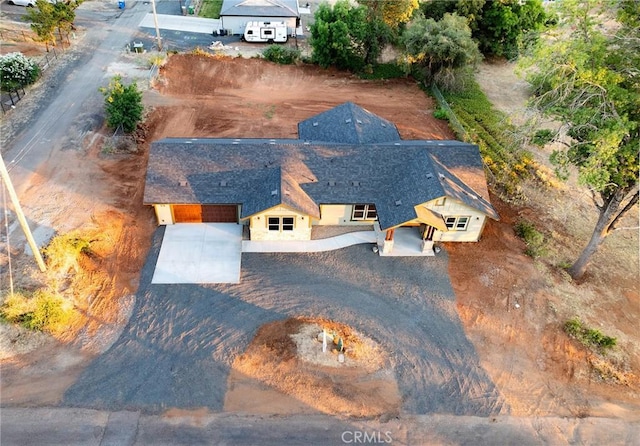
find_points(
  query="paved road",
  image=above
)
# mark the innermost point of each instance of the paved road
(71, 427)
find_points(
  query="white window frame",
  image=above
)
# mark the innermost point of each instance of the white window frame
(457, 222)
(366, 209)
(280, 225)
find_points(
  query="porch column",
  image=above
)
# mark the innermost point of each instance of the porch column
(387, 246)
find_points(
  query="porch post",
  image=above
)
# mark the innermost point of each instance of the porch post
(387, 246)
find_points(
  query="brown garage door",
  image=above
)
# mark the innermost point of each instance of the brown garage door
(207, 213)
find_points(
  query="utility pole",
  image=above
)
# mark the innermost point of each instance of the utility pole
(155, 21)
(23, 221)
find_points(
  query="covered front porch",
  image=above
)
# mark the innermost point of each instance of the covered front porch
(403, 242)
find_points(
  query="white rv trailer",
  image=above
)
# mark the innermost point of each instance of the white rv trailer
(266, 32)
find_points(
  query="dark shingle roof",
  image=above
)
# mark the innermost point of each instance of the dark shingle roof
(260, 8)
(395, 177)
(350, 124)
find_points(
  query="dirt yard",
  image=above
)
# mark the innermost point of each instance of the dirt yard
(512, 307)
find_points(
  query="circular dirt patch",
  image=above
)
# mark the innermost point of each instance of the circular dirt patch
(287, 357)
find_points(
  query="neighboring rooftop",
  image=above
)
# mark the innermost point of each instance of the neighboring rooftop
(260, 8)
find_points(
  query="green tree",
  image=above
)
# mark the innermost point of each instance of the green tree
(338, 36)
(17, 70)
(440, 48)
(590, 81)
(46, 17)
(43, 21)
(392, 12)
(123, 104)
(505, 25)
(501, 27)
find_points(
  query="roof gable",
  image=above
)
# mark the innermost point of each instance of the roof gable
(348, 123)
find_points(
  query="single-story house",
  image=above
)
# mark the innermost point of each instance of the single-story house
(235, 14)
(347, 167)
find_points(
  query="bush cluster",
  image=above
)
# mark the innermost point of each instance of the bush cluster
(283, 55)
(42, 310)
(490, 130)
(589, 337)
(533, 238)
(17, 71)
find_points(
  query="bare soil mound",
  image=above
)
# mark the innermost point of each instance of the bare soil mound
(287, 356)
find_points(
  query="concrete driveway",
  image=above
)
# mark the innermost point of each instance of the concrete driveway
(200, 253)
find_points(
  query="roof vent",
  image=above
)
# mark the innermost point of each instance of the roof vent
(398, 202)
(332, 183)
(471, 195)
(223, 183)
(286, 192)
(274, 192)
(396, 143)
(355, 183)
(384, 125)
(348, 120)
(358, 121)
(429, 175)
(184, 183)
(441, 176)
(315, 124)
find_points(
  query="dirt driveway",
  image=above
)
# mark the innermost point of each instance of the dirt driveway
(181, 340)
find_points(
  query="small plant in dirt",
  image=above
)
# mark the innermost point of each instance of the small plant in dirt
(533, 238)
(64, 251)
(123, 104)
(440, 113)
(17, 71)
(589, 337)
(542, 137)
(383, 71)
(42, 310)
(283, 55)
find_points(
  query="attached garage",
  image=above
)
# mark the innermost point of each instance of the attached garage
(205, 213)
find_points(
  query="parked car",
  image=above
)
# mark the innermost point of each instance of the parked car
(27, 3)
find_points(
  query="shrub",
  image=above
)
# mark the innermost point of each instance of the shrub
(283, 55)
(384, 71)
(16, 306)
(533, 238)
(123, 104)
(589, 337)
(63, 251)
(440, 113)
(17, 70)
(43, 311)
(542, 137)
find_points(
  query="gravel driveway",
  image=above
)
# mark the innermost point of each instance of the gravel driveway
(181, 340)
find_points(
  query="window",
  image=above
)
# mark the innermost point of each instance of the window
(457, 223)
(364, 212)
(280, 223)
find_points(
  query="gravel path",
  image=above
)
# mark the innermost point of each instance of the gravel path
(181, 339)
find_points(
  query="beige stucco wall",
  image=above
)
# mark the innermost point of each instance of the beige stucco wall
(455, 208)
(260, 231)
(338, 214)
(163, 214)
